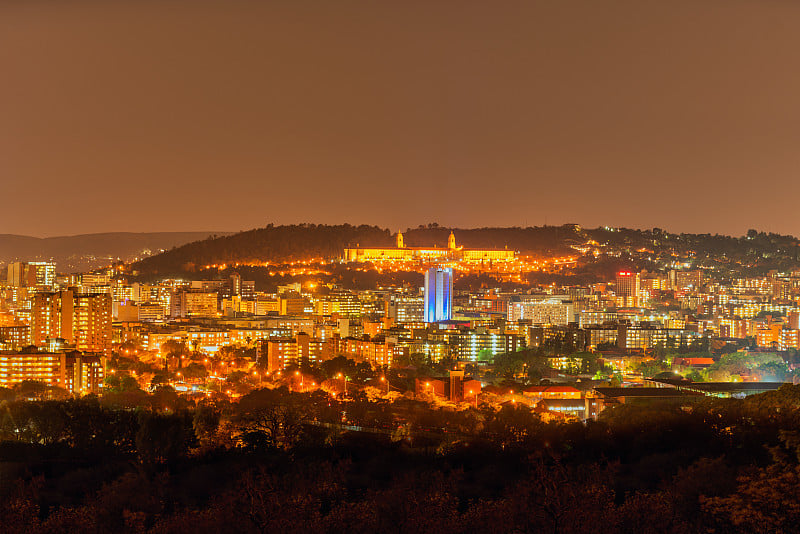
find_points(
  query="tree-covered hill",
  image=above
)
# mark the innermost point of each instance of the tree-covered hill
(310, 241)
(755, 252)
(272, 243)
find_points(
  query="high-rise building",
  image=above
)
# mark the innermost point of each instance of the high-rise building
(18, 274)
(627, 289)
(80, 320)
(292, 304)
(77, 372)
(282, 352)
(14, 336)
(686, 279)
(194, 304)
(405, 308)
(45, 272)
(236, 284)
(91, 324)
(551, 310)
(438, 294)
(51, 317)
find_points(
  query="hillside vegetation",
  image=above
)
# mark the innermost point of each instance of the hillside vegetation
(756, 252)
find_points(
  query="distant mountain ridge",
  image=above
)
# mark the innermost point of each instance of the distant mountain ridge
(75, 252)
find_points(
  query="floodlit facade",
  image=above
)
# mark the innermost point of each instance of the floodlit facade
(438, 295)
(451, 253)
(546, 311)
(77, 372)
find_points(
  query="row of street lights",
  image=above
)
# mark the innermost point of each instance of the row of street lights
(342, 376)
(302, 381)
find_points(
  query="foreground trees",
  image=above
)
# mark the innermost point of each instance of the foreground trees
(278, 462)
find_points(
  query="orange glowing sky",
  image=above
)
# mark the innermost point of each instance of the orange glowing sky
(229, 114)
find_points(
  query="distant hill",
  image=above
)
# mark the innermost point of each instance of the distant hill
(273, 243)
(88, 251)
(757, 252)
(308, 241)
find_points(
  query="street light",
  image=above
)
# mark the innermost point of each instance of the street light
(476, 399)
(383, 379)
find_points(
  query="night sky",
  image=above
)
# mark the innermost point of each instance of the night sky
(225, 115)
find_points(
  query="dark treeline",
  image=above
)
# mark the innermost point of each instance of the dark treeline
(282, 462)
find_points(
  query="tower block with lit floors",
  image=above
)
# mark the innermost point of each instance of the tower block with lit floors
(438, 295)
(80, 320)
(628, 289)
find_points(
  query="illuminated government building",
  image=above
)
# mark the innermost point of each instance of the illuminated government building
(427, 254)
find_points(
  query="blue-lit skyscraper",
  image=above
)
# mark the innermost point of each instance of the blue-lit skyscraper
(438, 294)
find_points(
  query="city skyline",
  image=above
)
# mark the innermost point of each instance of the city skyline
(420, 266)
(635, 115)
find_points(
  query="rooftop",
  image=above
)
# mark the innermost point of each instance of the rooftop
(642, 392)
